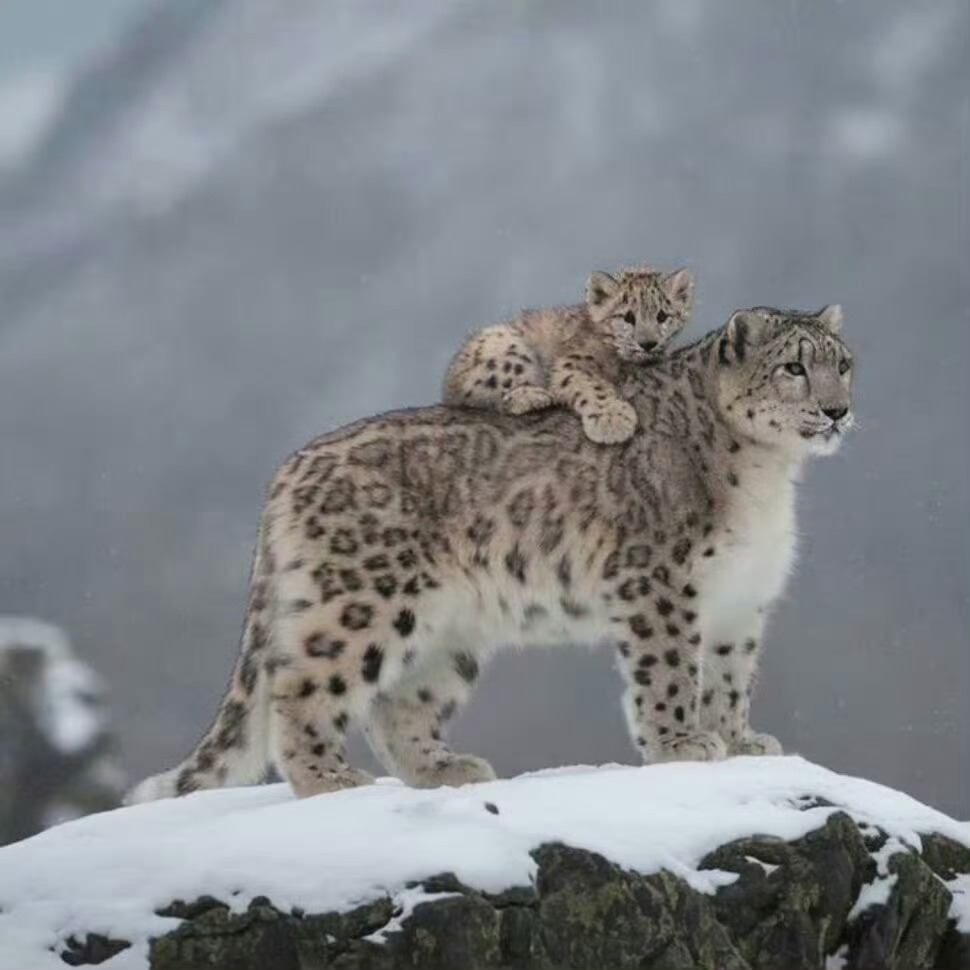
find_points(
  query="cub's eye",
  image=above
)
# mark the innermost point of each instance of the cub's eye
(661, 316)
(795, 369)
(844, 365)
(630, 317)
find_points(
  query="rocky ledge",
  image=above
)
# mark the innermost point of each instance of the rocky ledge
(789, 907)
(832, 872)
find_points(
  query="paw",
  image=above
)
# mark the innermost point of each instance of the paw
(615, 421)
(310, 784)
(695, 746)
(522, 400)
(153, 788)
(454, 771)
(755, 742)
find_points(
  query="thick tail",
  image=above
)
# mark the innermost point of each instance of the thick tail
(235, 749)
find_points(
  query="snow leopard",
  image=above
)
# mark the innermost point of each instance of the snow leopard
(396, 554)
(572, 355)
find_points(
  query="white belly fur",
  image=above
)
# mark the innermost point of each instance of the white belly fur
(532, 616)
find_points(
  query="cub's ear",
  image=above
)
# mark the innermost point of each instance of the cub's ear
(599, 288)
(743, 330)
(830, 317)
(680, 287)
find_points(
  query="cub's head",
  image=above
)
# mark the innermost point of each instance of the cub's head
(785, 378)
(641, 304)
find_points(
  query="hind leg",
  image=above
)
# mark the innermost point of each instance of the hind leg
(308, 728)
(498, 370)
(407, 725)
(328, 664)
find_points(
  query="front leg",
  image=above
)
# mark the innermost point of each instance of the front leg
(730, 667)
(660, 655)
(576, 382)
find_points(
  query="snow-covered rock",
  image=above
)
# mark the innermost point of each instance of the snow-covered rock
(744, 863)
(56, 756)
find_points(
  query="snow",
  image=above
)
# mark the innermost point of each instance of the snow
(959, 886)
(837, 960)
(404, 903)
(108, 873)
(767, 867)
(877, 892)
(68, 701)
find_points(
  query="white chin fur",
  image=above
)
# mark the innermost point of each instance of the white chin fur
(153, 788)
(826, 446)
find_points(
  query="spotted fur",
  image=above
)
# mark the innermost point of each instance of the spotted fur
(573, 355)
(440, 533)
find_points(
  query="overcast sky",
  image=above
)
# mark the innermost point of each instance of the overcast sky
(54, 35)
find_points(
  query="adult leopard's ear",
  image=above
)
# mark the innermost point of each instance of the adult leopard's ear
(743, 331)
(680, 287)
(831, 318)
(600, 287)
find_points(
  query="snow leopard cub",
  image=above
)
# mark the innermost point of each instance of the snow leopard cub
(571, 355)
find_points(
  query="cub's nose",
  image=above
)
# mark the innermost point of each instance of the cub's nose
(649, 345)
(835, 413)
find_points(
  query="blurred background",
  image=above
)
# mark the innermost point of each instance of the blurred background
(227, 227)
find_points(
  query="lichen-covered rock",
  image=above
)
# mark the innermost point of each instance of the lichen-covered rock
(949, 859)
(593, 914)
(907, 929)
(213, 936)
(791, 906)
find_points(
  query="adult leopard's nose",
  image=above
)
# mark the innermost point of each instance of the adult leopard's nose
(835, 413)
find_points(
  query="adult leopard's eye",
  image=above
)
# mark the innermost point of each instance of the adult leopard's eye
(844, 365)
(795, 369)
(661, 316)
(630, 317)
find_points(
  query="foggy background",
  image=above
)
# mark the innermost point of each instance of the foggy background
(227, 227)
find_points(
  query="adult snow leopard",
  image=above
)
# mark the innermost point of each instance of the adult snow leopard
(394, 554)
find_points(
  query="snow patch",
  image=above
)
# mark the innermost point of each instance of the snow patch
(766, 866)
(960, 907)
(837, 960)
(405, 902)
(109, 873)
(876, 893)
(68, 701)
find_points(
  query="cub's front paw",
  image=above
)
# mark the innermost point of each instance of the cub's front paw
(695, 746)
(615, 421)
(755, 742)
(522, 400)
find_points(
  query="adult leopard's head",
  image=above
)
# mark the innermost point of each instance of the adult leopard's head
(642, 304)
(785, 378)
